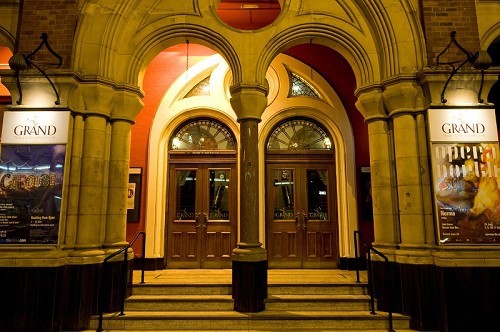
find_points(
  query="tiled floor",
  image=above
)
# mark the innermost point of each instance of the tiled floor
(275, 276)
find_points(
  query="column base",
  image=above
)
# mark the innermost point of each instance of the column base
(249, 285)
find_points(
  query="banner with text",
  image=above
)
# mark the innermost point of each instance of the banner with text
(31, 176)
(466, 168)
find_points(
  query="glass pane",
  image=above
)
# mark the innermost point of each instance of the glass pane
(186, 195)
(302, 88)
(203, 134)
(299, 135)
(317, 194)
(200, 89)
(283, 194)
(219, 195)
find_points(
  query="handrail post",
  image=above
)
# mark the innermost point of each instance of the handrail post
(125, 277)
(370, 283)
(143, 259)
(356, 255)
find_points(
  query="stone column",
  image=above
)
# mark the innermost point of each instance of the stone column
(404, 102)
(126, 107)
(90, 229)
(383, 179)
(249, 258)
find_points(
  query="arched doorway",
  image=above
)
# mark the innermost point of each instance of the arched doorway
(301, 217)
(201, 203)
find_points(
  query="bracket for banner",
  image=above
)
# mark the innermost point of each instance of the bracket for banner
(19, 62)
(480, 60)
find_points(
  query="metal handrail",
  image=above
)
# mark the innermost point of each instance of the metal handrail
(370, 275)
(125, 250)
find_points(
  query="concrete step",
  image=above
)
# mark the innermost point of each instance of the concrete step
(317, 289)
(182, 289)
(273, 289)
(265, 321)
(318, 302)
(179, 303)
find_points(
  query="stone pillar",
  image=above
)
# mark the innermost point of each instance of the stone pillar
(90, 229)
(404, 101)
(249, 258)
(383, 179)
(126, 107)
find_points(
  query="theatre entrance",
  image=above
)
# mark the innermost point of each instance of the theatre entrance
(301, 217)
(202, 196)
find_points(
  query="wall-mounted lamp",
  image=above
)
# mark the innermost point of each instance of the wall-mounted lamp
(480, 60)
(19, 62)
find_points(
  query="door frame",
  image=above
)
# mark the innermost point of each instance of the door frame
(207, 160)
(311, 159)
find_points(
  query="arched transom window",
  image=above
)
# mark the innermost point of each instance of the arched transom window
(300, 135)
(203, 134)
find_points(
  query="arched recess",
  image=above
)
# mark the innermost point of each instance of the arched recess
(174, 110)
(330, 112)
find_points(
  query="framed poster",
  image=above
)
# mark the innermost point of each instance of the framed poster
(465, 159)
(134, 194)
(32, 163)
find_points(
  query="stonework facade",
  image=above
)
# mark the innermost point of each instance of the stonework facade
(371, 74)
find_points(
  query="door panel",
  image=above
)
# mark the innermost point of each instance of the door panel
(201, 229)
(301, 223)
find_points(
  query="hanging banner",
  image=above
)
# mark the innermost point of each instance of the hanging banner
(465, 158)
(31, 176)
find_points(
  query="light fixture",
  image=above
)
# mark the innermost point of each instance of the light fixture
(480, 60)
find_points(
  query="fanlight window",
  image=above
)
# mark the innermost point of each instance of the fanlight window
(200, 89)
(203, 134)
(300, 87)
(299, 135)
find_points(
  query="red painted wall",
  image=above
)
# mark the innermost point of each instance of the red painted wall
(165, 68)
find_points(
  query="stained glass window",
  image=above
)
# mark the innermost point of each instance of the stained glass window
(300, 87)
(299, 134)
(203, 134)
(200, 89)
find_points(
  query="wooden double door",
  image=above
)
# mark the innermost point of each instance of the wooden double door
(301, 215)
(201, 226)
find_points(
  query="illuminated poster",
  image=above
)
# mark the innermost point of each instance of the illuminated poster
(466, 168)
(31, 176)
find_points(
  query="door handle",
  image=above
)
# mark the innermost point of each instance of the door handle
(197, 219)
(297, 222)
(205, 220)
(304, 215)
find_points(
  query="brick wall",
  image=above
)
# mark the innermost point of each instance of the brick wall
(58, 19)
(440, 18)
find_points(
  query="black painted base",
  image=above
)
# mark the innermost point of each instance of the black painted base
(447, 299)
(150, 264)
(350, 264)
(249, 286)
(47, 299)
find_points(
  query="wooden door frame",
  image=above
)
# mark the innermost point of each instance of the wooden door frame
(289, 160)
(203, 161)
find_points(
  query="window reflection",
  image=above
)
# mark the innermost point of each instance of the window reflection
(283, 194)
(186, 195)
(219, 195)
(317, 194)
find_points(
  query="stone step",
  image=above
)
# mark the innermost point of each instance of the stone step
(182, 289)
(273, 289)
(179, 303)
(317, 289)
(266, 320)
(225, 302)
(318, 302)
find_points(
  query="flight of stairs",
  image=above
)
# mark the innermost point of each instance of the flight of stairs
(324, 306)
